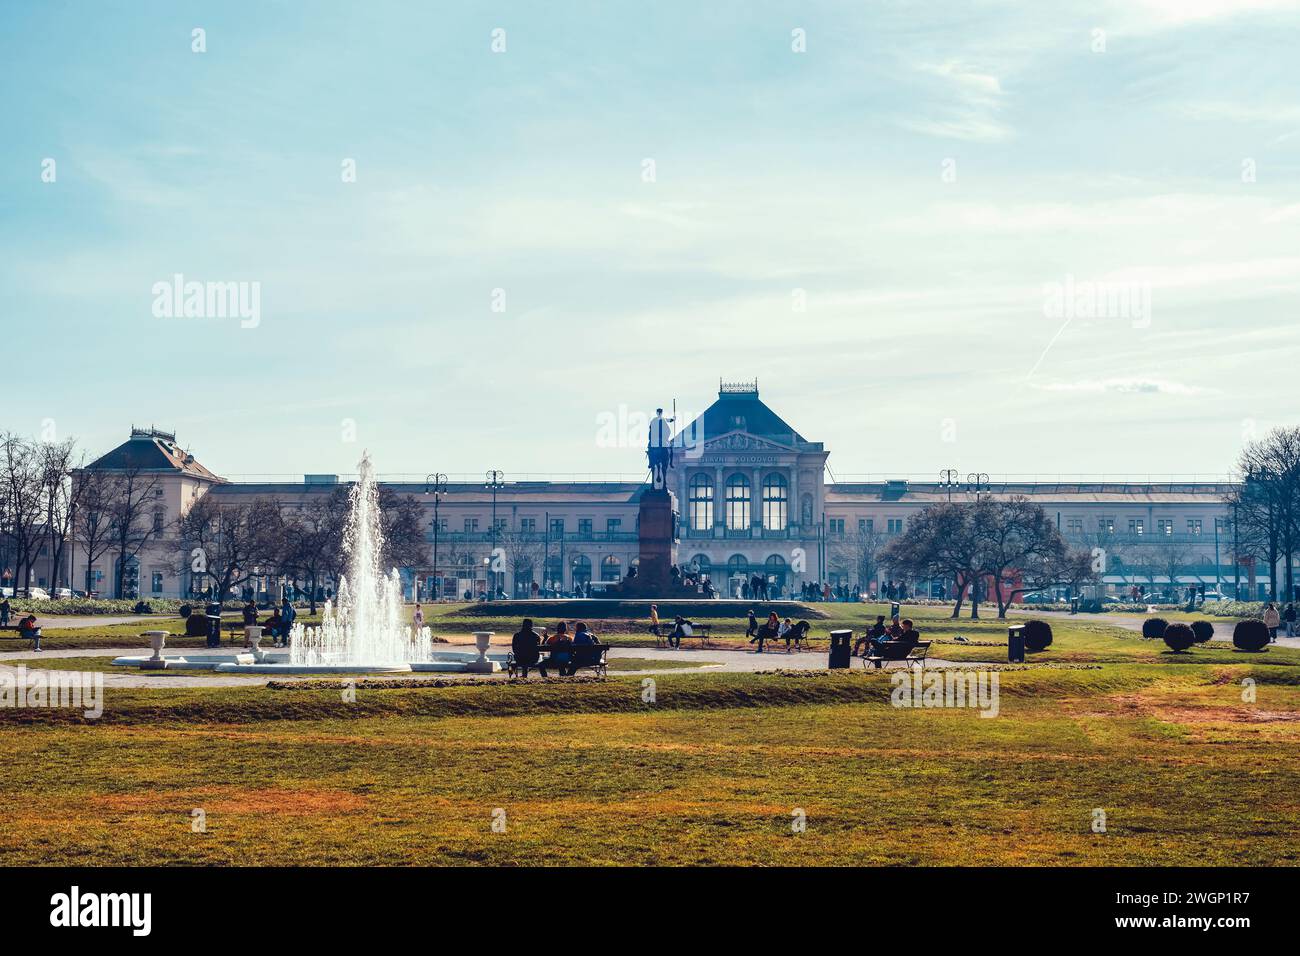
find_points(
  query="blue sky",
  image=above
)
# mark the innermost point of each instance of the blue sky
(1160, 156)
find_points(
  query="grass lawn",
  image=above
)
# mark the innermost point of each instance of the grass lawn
(712, 772)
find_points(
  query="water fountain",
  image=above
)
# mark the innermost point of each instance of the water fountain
(362, 630)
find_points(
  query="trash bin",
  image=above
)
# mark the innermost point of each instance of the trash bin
(841, 650)
(1016, 643)
(213, 613)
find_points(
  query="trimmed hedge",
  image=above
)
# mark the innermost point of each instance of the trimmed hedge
(1179, 637)
(1037, 634)
(1204, 630)
(1154, 628)
(1250, 635)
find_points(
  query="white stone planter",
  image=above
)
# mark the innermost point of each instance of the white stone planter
(157, 641)
(254, 635)
(483, 640)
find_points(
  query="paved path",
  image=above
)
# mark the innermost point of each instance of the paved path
(718, 661)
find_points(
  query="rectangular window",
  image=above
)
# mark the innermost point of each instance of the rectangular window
(1135, 526)
(584, 526)
(157, 580)
(158, 520)
(1165, 525)
(1106, 525)
(1193, 525)
(528, 525)
(895, 526)
(471, 525)
(836, 525)
(612, 524)
(557, 526)
(1074, 525)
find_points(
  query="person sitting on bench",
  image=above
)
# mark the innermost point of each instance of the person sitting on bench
(561, 646)
(796, 634)
(681, 628)
(768, 632)
(527, 647)
(27, 629)
(583, 642)
(875, 634)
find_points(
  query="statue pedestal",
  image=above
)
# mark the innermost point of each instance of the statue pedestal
(658, 552)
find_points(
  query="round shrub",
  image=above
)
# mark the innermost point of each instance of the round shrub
(1154, 627)
(1038, 635)
(1179, 637)
(196, 625)
(1250, 635)
(1204, 630)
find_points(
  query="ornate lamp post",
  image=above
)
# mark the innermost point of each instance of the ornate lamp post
(495, 481)
(978, 482)
(437, 484)
(948, 481)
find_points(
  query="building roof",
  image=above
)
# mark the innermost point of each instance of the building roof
(1118, 493)
(738, 408)
(149, 449)
(512, 492)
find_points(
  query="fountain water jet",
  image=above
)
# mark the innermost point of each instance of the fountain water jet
(365, 626)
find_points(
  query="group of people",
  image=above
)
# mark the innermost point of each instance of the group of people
(277, 626)
(775, 629)
(564, 652)
(899, 633)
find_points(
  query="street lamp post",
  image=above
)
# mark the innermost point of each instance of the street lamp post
(436, 483)
(978, 482)
(948, 481)
(495, 480)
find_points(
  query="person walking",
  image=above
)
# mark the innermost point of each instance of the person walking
(1289, 616)
(1271, 620)
(654, 624)
(4, 612)
(287, 617)
(753, 625)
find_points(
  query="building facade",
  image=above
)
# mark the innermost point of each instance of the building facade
(752, 498)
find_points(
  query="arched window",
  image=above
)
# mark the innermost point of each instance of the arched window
(737, 565)
(701, 502)
(701, 566)
(581, 570)
(738, 503)
(774, 569)
(776, 502)
(611, 569)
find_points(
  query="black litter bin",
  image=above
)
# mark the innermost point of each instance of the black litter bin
(213, 613)
(841, 649)
(1016, 643)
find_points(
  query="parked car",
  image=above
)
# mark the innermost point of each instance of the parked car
(63, 593)
(38, 594)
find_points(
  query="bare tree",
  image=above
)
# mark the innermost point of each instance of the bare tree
(92, 525)
(227, 540)
(62, 495)
(859, 551)
(312, 540)
(22, 489)
(130, 508)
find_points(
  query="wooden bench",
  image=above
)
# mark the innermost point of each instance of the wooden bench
(701, 631)
(11, 630)
(586, 655)
(896, 651)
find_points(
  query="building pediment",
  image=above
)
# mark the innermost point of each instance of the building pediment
(742, 441)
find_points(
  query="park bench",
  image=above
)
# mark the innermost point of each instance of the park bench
(11, 630)
(697, 630)
(586, 655)
(895, 651)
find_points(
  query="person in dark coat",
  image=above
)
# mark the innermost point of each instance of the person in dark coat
(526, 645)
